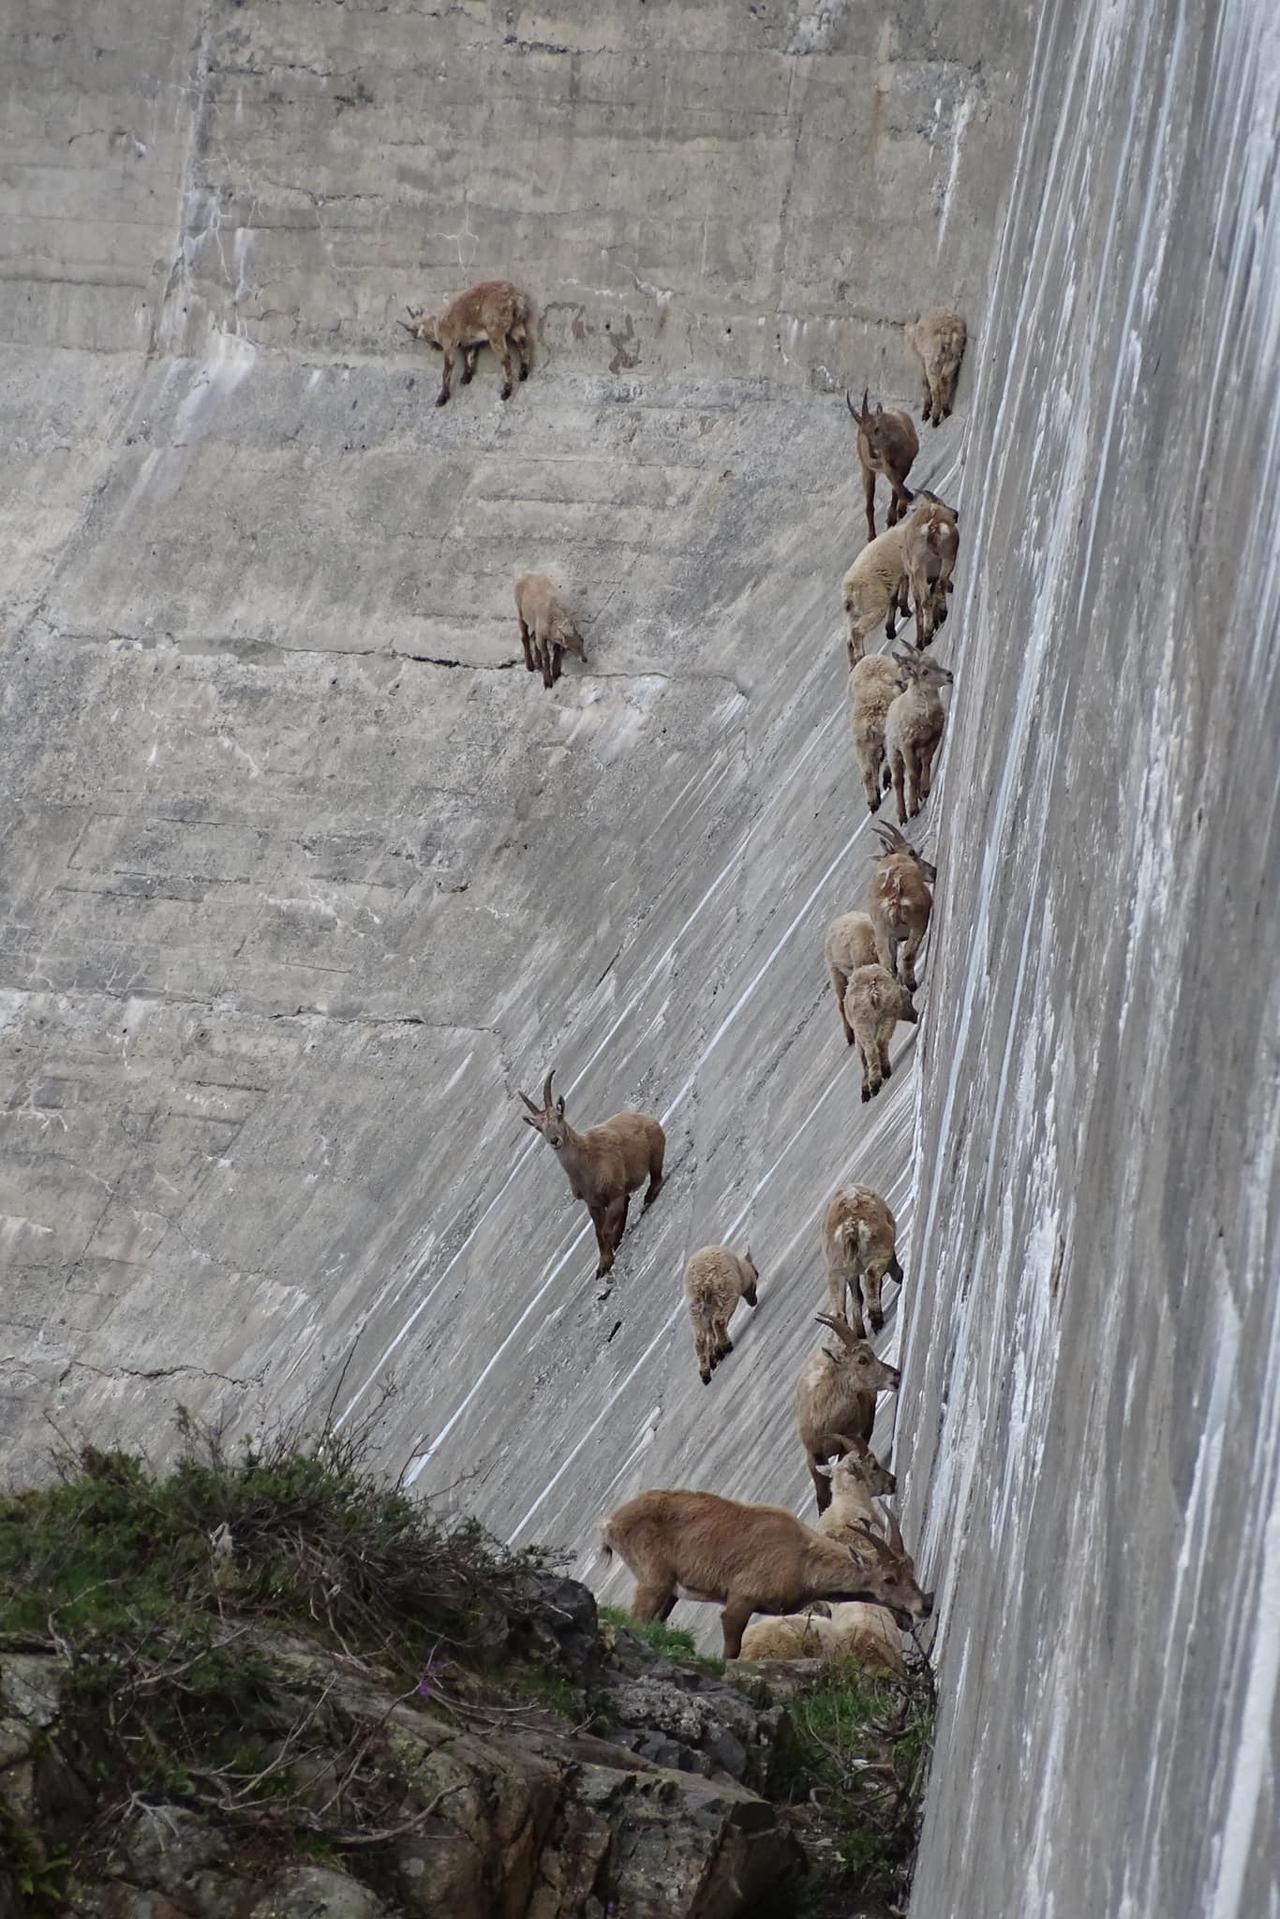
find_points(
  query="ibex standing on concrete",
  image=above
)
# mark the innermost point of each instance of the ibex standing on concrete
(604, 1165)
(887, 444)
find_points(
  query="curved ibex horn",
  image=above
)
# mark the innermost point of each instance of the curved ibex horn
(546, 1090)
(529, 1103)
(408, 329)
(838, 1327)
(849, 403)
(895, 1533)
(865, 395)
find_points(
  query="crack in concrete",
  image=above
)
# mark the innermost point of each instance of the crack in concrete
(159, 1372)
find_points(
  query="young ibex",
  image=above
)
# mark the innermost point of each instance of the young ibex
(887, 444)
(850, 943)
(938, 340)
(929, 555)
(875, 587)
(873, 1004)
(852, 1630)
(913, 730)
(835, 1399)
(494, 311)
(900, 903)
(715, 1279)
(604, 1165)
(859, 1241)
(746, 1559)
(857, 1481)
(547, 627)
(874, 684)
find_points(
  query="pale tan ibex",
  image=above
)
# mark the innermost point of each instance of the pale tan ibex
(913, 730)
(873, 1004)
(715, 1279)
(835, 1399)
(874, 684)
(745, 1559)
(929, 554)
(859, 1244)
(887, 444)
(857, 1480)
(938, 341)
(900, 903)
(604, 1165)
(547, 628)
(850, 943)
(494, 311)
(852, 1630)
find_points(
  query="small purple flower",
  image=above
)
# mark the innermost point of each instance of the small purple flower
(429, 1686)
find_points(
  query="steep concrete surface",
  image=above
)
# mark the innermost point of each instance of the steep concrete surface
(303, 877)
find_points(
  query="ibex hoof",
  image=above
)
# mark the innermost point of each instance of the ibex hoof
(506, 391)
(442, 399)
(866, 1094)
(524, 373)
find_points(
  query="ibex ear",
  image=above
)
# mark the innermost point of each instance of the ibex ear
(529, 1122)
(560, 1107)
(824, 1467)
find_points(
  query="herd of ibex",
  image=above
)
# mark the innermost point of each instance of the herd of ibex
(845, 1585)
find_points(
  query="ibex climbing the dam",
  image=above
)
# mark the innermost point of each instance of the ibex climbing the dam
(604, 1165)
(929, 554)
(835, 1399)
(874, 1002)
(850, 943)
(547, 628)
(874, 684)
(913, 730)
(857, 1480)
(745, 1559)
(887, 444)
(715, 1279)
(494, 311)
(900, 903)
(859, 1244)
(938, 340)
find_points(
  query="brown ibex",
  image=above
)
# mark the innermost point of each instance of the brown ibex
(604, 1165)
(745, 1559)
(929, 554)
(874, 684)
(887, 444)
(913, 730)
(715, 1279)
(873, 1004)
(859, 1244)
(900, 903)
(494, 311)
(835, 1399)
(547, 627)
(850, 943)
(938, 340)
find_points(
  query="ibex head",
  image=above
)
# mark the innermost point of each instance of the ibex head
(893, 842)
(420, 326)
(859, 1358)
(923, 669)
(857, 1462)
(548, 1119)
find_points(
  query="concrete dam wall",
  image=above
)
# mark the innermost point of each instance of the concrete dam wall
(303, 878)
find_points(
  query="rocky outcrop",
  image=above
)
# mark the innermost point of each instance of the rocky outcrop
(636, 1792)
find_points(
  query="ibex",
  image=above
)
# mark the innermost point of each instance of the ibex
(929, 555)
(850, 943)
(494, 311)
(913, 730)
(547, 627)
(715, 1279)
(745, 1559)
(873, 1004)
(859, 1244)
(874, 684)
(938, 340)
(900, 903)
(857, 1480)
(604, 1165)
(835, 1399)
(887, 444)
(853, 1630)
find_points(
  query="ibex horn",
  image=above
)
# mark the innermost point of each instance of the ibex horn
(546, 1090)
(865, 393)
(529, 1103)
(849, 403)
(838, 1327)
(408, 329)
(895, 1533)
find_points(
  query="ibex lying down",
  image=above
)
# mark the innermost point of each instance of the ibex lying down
(494, 311)
(873, 1004)
(929, 555)
(913, 730)
(938, 340)
(853, 1630)
(835, 1399)
(715, 1279)
(745, 1559)
(547, 627)
(850, 943)
(887, 444)
(604, 1165)
(900, 904)
(859, 1241)
(874, 684)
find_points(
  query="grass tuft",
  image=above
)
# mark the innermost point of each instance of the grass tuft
(672, 1641)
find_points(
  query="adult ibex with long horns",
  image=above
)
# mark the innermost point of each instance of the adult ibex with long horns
(604, 1165)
